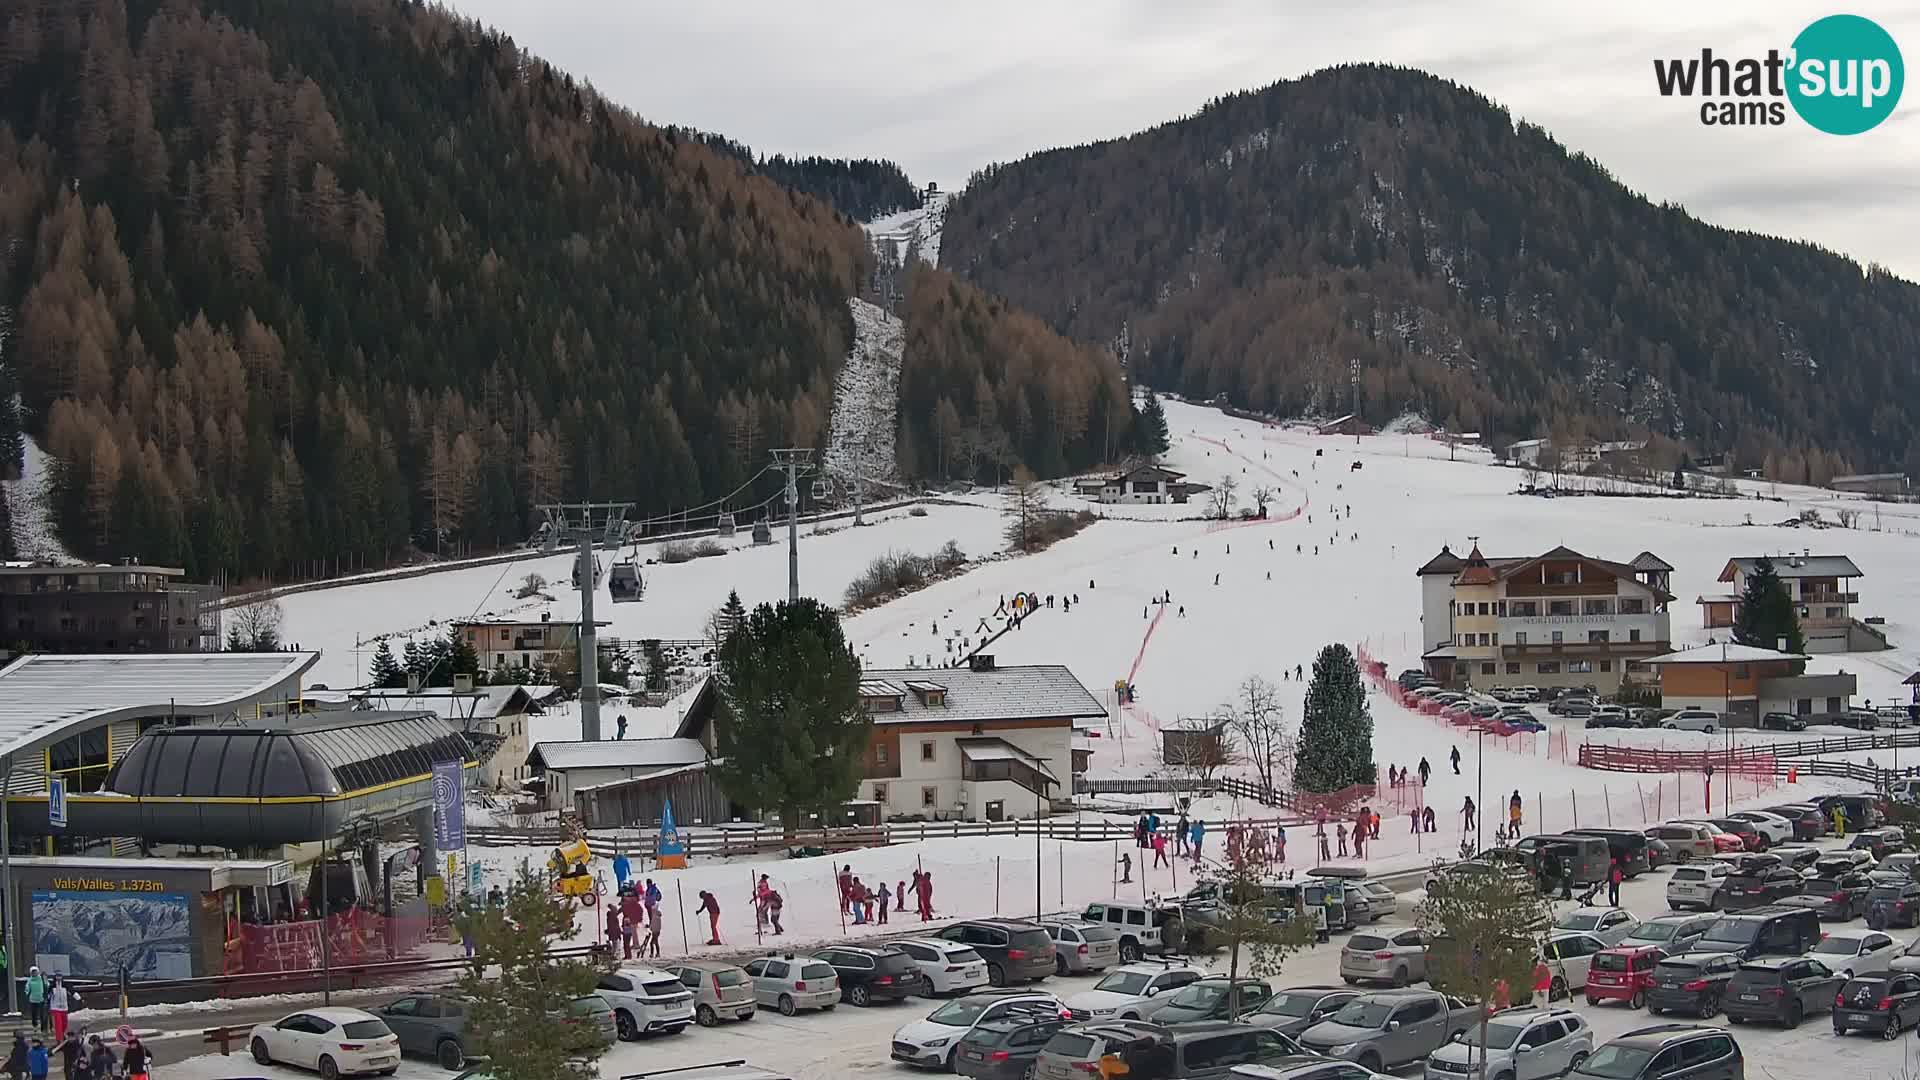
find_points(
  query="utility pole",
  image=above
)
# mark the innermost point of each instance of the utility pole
(797, 462)
(1353, 370)
(586, 525)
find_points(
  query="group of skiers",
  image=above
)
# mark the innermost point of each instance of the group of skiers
(1188, 838)
(869, 904)
(1399, 776)
(88, 1058)
(635, 909)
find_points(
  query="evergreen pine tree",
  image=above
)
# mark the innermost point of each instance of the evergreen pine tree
(1766, 612)
(1336, 730)
(1150, 431)
(733, 612)
(461, 657)
(792, 735)
(414, 661)
(385, 671)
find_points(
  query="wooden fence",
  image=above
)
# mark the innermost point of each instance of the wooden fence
(1756, 758)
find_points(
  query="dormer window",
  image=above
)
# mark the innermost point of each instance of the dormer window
(931, 694)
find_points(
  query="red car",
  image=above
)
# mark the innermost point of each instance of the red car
(1624, 974)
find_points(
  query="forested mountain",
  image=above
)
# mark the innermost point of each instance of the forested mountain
(300, 283)
(1475, 269)
(862, 188)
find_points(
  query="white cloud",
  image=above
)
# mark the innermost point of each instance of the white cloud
(947, 88)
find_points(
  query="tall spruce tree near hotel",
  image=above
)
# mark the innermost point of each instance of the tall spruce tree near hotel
(1336, 730)
(1766, 612)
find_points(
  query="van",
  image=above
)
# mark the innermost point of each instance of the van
(1585, 857)
(1628, 846)
(1762, 931)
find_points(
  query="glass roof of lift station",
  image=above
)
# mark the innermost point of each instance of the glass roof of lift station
(326, 758)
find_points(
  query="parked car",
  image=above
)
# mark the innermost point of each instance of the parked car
(949, 966)
(1302, 1067)
(1860, 812)
(1750, 890)
(1751, 838)
(1688, 842)
(1894, 905)
(1520, 721)
(1005, 1048)
(1215, 997)
(1649, 717)
(1880, 841)
(1132, 991)
(1207, 1050)
(1652, 1053)
(1723, 841)
(1607, 924)
(594, 1012)
(791, 983)
(1015, 951)
(1896, 868)
(1856, 952)
(1841, 862)
(1573, 708)
(1909, 958)
(1514, 873)
(1080, 946)
(1143, 929)
(1610, 716)
(647, 1000)
(1808, 823)
(1623, 973)
(333, 1042)
(1781, 990)
(1628, 847)
(866, 975)
(1883, 1003)
(433, 1026)
(1693, 720)
(1381, 899)
(1570, 957)
(1776, 829)
(1697, 885)
(721, 991)
(1297, 1008)
(1669, 933)
(1389, 1028)
(933, 1042)
(1842, 897)
(1764, 931)
(1395, 957)
(1522, 1044)
(1859, 719)
(1584, 857)
(1799, 858)
(1782, 721)
(1692, 983)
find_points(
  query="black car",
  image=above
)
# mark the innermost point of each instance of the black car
(1858, 811)
(1808, 822)
(1884, 1003)
(1783, 721)
(869, 975)
(1893, 905)
(1798, 858)
(1781, 989)
(1297, 1008)
(1666, 1050)
(1843, 897)
(1879, 843)
(1765, 931)
(1004, 1049)
(1209, 999)
(1692, 983)
(1746, 891)
(1015, 951)
(1611, 720)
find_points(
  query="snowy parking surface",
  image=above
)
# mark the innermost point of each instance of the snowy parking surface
(850, 1042)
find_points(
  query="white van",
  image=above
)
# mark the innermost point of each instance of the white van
(1143, 928)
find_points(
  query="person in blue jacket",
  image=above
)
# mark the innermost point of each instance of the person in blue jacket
(37, 1061)
(1199, 835)
(621, 868)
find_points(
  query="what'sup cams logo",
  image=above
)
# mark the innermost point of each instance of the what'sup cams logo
(1843, 76)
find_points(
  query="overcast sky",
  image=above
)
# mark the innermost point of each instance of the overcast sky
(945, 89)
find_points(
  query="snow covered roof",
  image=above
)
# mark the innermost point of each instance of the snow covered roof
(1038, 692)
(1444, 563)
(1723, 654)
(46, 697)
(1718, 598)
(484, 703)
(1796, 566)
(618, 754)
(641, 777)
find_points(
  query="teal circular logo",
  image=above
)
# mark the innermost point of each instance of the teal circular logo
(1847, 75)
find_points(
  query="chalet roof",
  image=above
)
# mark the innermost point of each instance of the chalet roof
(1038, 692)
(1476, 571)
(1647, 560)
(1796, 566)
(1717, 598)
(484, 703)
(1911, 680)
(618, 754)
(1723, 654)
(1506, 568)
(1444, 563)
(1159, 472)
(992, 749)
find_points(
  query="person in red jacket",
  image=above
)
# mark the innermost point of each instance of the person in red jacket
(711, 905)
(1614, 876)
(1542, 985)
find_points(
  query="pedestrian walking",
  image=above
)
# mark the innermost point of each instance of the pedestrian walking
(1426, 770)
(1340, 831)
(16, 1067)
(900, 896)
(926, 895)
(1126, 868)
(57, 1001)
(1180, 831)
(1376, 825)
(653, 927)
(37, 998)
(621, 870)
(1614, 876)
(1456, 761)
(1542, 985)
(711, 905)
(70, 1053)
(134, 1061)
(632, 912)
(1428, 815)
(774, 907)
(1280, 843)
(613, 929)
(1514, 813)
(1320, 834)
(1198, 838)
(885, 896)
(100, 1057)
(37, 1060)
(1466, 815)
(1160, 851)
(1413, 819)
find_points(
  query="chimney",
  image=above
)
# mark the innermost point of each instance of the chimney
(413, 682)
(463, 684)
(981, 662)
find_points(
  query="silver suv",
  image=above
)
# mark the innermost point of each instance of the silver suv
(1522, 1044)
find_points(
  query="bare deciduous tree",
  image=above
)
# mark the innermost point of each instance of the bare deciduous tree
(255, 627)
(1223, 496)
(1258, 719)
(1193, 751)
(1262, 495)
(1026, 505)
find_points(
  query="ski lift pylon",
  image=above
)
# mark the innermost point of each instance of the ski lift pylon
(624, 582)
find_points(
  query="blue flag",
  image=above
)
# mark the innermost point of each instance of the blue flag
(669, 834)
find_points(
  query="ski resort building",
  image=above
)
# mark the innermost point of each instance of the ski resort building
(1743, 683)
(1147, 484)
(1557, 619)
(107, 608)
(1820, 586)
(520, 642)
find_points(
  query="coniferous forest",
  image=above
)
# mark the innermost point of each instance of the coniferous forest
(1475, 269)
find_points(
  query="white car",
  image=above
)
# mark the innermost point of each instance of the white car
(1907, 959)
(1693, 720)
(1697, 885)
(790, 983)
(1776, 829)
(1856, 952)
(646, 1000)
(1132, 991)
(949, 966)
(1569, 956)
(1381, 900)
(930, 1043)
(1608, 924)
(334, 1042)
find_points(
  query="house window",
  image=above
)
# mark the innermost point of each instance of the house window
(926, 750)
(1526, 608)
(1557, 635)
(1496, 637)
(1833, 704)
(1513, 669)
(1484, 609)
(1465, 639)
(1548, 667)
(1486, 669)
(1559, 607)
(1580, 667)
(1633, 635)
(880, 753)
(1804, 706)
(505, 634)
(1520, 637)
(1833, 613)
(880, 793)
(1599, 637)
(1483, 639)
(1606, 665)
(929, 797)
(1600, 607)
(1633, 606)
(1500, 608)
